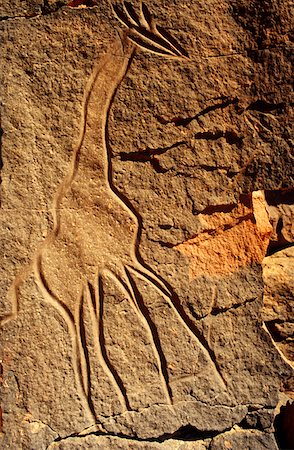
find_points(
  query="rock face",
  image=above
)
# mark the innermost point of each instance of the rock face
(137, 143)
(278, 299)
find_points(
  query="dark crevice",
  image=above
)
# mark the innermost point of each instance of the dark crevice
(276, 197)
(266, 107)
(165, 226)
(184, 433)
(157, 166)
(230, 136)
(184, 121)
(85, 3)
(225, 208)
(277, 247)
(189, 433)
(148, 153)
(48, 8)
(207, 167)
(219, 310)
(244, 199)
(284, 426)
(274, 330)
(166, 244)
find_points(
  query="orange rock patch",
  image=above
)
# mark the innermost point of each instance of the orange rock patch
(229, 241)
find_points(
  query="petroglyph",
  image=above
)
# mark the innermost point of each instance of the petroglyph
(146, 34)
(96, 231)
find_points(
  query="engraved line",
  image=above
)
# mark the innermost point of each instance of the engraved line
(158, 40)
(13, 294)
(126, 20)
(146, 17)
(155, 340)
(112, 370)
(155, 40)
(99, 343)
(174, 302)
(141, 311)
(172, 41)
(84, 353)
(69, 320)
(132, 15)
(82, 346)
(146, 275)
(65, 185)
(282, 355)
(150, 47)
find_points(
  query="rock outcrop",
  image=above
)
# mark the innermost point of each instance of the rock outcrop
(147, 176)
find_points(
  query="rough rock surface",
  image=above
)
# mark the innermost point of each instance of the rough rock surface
(278, 306)
(131, 279)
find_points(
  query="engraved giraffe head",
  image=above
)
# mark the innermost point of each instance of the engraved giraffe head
(146, 34)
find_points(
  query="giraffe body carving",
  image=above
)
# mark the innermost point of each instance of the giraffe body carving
(70, 269)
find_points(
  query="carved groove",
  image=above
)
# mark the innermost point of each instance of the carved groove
(146, 34)
(70, 322)
(118, 257)
(83, 351)
(154, 338)
(174, 302)
(107, 365)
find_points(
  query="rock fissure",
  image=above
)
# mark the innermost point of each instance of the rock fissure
(184, 433)
(266, 107)
(148, 153)
(185, 121)
(209, 233)
(216, 310)
(231, 137)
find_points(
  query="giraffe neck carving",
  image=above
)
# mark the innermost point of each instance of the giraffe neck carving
(88, 175)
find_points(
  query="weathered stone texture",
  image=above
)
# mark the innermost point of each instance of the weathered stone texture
(131, 279)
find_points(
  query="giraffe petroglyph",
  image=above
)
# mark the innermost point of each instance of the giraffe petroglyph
(70, 266)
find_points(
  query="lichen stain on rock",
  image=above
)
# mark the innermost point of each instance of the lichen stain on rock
(229, 240)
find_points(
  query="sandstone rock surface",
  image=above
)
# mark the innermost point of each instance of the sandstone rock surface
(131, 280)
